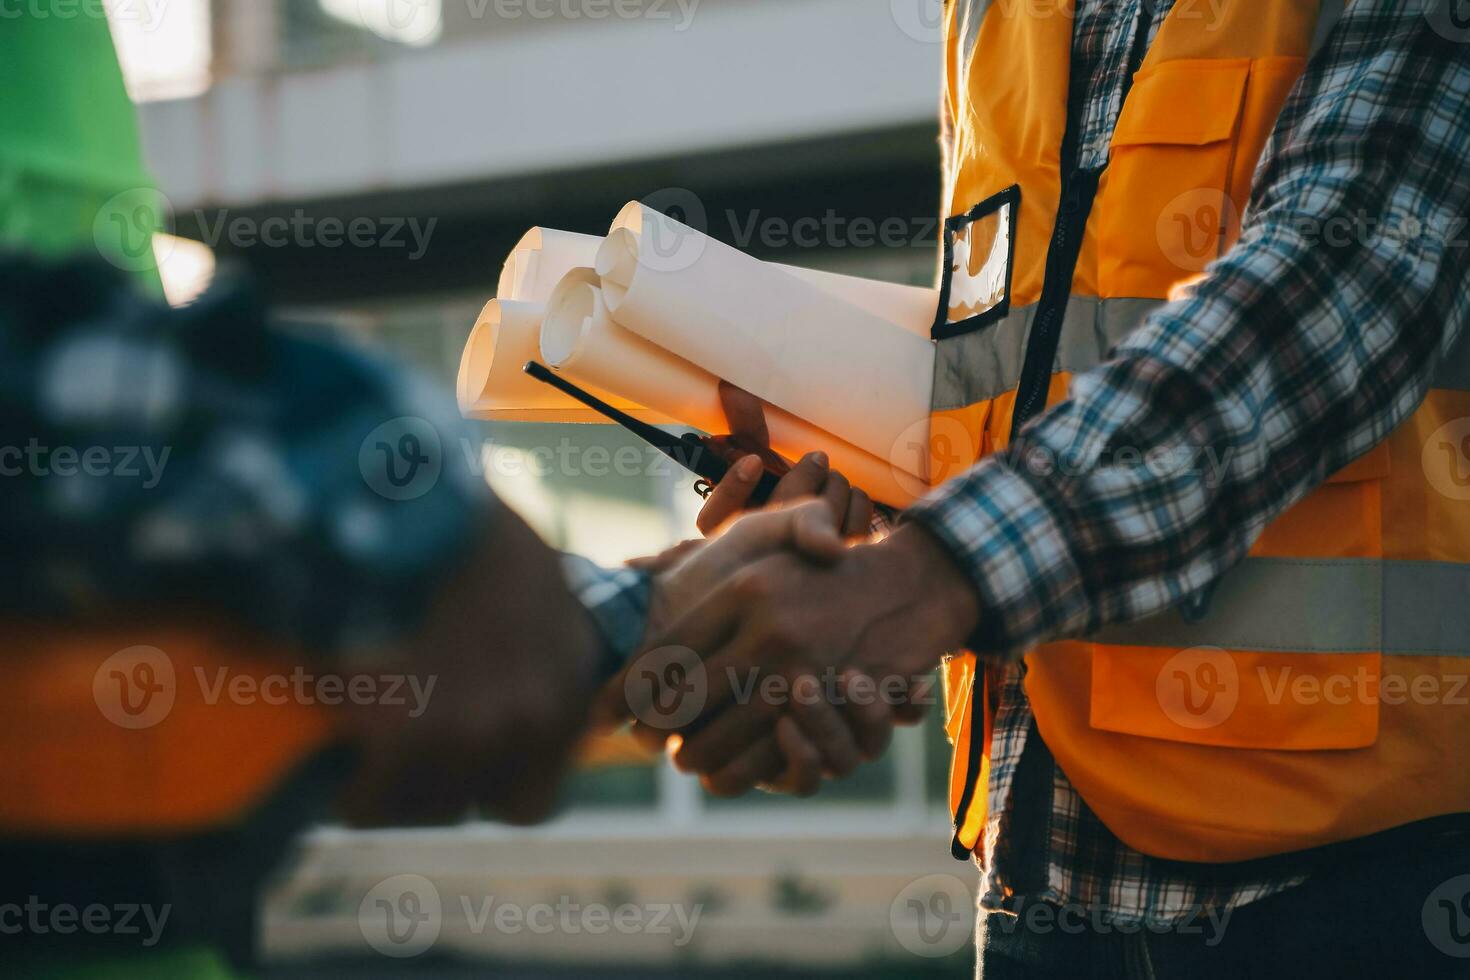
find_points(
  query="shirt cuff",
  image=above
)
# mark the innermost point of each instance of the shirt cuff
(617, 600)
(1008, 541)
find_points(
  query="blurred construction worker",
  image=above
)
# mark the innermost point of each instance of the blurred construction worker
(250, 579)
(1203, 405)
(71, 167)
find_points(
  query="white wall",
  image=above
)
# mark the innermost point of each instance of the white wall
(569, 94)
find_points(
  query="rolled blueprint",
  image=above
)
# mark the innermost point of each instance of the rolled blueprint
(778, 336)
(540, 259)
(580, 340)
(544, 255)
(911, 307)
(492, 384)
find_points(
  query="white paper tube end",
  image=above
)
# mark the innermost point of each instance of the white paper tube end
(575, 305)
(617, 263)
(513, 272)
(631, 218)
(479, 356)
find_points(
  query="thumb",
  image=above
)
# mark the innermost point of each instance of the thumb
(815, 532)
(809, 527)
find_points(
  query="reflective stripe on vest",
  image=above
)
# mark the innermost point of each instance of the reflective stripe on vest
(977, 367)
(1308, 696)
(1295, 605)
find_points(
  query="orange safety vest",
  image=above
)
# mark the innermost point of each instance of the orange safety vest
(103, 739)
(1319, 694)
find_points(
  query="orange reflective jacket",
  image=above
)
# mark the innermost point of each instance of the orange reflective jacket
(1317, 697)
(103, 740)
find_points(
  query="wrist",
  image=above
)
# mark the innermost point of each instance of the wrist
(939, 589)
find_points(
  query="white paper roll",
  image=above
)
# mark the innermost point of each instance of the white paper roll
(492, 384)
(540, 259)
(580, 340)
(779, 337)
(911, 307)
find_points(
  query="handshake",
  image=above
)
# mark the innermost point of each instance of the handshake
(780, 650)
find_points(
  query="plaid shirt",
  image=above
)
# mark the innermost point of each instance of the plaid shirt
(207, 457)
(1256, 357)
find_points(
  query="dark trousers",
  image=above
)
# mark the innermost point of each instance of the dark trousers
(1399, 913)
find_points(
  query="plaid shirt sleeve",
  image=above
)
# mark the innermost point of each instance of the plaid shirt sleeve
(617, 599)
(1297, 352)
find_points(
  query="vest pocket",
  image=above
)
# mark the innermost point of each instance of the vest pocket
(1343, 518)
(1166, 206)
(1237, 699)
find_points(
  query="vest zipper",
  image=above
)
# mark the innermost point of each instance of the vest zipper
(1079, 189)
(1035, 380)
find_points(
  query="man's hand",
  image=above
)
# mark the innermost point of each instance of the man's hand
(685, 575)
(748, 447)
(512, 656)
(828, 730)
(887, 611)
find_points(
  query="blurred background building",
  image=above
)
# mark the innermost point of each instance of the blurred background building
(802, 130)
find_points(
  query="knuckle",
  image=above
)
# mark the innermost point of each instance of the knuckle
(753, 585)
(785, 633)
